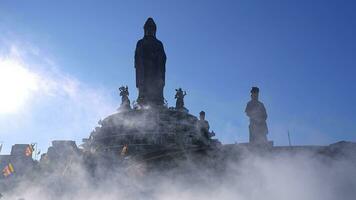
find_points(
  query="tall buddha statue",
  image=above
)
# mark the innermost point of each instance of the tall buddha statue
(150, 65)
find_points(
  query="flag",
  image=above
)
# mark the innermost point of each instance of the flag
(8, 170)
(29, 150)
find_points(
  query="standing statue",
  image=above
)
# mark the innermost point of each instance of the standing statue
(180, 98)
(125, 101)
(256, 111)
(203, 128)
(150, 64)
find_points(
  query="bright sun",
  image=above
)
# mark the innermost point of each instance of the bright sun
(16, 85)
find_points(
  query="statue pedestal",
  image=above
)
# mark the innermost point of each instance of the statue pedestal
(146, 130)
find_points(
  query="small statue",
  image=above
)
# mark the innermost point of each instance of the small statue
(125, 101)
(124, 150)
(180, 98)
(203, 126)
(256, 111)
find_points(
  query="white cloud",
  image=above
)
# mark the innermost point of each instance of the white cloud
(39, 102)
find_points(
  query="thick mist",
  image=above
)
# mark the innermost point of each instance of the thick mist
(249, 176)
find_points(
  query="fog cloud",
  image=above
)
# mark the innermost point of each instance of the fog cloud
(249, 176)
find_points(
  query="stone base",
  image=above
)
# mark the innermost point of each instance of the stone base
(145, 130)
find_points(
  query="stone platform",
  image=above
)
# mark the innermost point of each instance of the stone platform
(145, 131)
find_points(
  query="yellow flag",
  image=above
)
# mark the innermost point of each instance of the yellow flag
(8, 170)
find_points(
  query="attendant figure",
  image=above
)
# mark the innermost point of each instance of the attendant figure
(256, 111)
(203, 125)
(125, 101)
(180, 98)
(124, 150)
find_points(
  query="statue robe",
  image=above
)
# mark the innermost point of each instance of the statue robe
(150, 64)
(256, 111)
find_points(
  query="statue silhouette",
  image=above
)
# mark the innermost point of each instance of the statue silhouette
(180, 98)
(150, 64)
(125, 101)
(256, 111)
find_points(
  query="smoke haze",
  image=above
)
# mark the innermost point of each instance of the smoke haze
(248, 176)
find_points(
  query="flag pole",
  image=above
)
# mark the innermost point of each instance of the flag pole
(1, 144)
(290, 144)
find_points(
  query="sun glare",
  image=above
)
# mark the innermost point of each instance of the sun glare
(16, 85)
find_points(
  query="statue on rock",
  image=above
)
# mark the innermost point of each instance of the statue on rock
(180, 98)
(203, 127)
(256, 111)
(125, 101)
(150, 65)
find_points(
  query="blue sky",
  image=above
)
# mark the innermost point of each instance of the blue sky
(77, 53)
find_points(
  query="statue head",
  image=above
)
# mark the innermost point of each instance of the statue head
(202, 115)
(150, 27)
(124, 91)
(254, 93)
